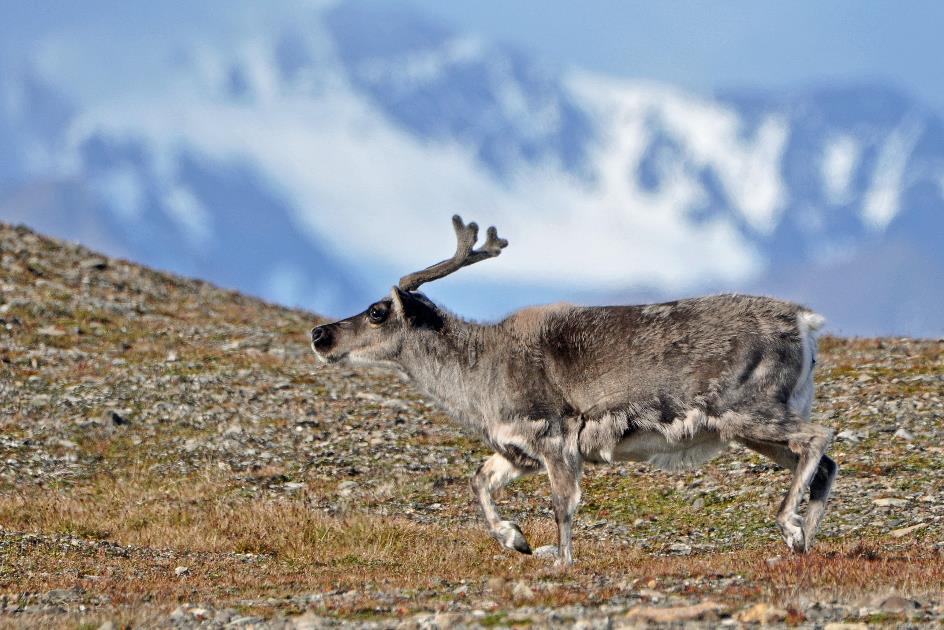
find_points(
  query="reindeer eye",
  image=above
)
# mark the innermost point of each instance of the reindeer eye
(377, 313)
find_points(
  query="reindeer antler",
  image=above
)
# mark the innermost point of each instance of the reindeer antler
(466, 235)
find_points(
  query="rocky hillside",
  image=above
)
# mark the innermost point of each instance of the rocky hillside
(170, 455)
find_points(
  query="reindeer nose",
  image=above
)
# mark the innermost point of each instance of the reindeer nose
(320, 335)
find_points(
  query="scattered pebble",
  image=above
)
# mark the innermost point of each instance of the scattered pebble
(545, 551)
(890, 502)
(904, 531)
(521, 591)
(904, 434)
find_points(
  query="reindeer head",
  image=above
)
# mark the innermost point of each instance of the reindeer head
(376, 336)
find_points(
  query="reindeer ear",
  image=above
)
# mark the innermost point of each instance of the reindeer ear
(416, 311)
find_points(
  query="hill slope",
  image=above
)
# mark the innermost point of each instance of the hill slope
(171, 455)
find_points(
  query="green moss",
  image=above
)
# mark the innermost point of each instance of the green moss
(626, 499)
(79, 531)
(494, 619)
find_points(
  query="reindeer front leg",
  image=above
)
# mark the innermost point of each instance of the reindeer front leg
(496, 472)
(564, 474)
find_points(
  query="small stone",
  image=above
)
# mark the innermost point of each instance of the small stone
(774, 561)
(224, 616)
(116, 418)
(904, 531)
(762, 613)
(199, 613)
(839, 625)
(890, 502)
(680, 548)
(446, 619)
(395, 403)
(171, 357)
(704, 610)
(462, 589)
(50, 331)
(346, 488)
(61, 594)
(848, 436)
(369, 397)
(545, 551)
(181, 571)
(496, 584)
(898, 604)
(651, 594)
(308, 621)
(293, 486)
(95, 262)
(233, 429)
(522, 591)
(903, 434)
(249, 619)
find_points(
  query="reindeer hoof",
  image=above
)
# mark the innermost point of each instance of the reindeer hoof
(510, 536)
(792, 530)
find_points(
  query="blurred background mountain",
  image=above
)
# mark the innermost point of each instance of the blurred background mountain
(312, 153)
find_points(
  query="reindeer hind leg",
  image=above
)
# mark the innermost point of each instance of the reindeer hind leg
(800, 447)
(820, 488)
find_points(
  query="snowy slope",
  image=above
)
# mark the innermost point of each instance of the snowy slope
(314, 154)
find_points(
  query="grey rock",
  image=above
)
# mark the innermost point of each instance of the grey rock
(521, 591)
(346, 488)
(896, 603)
(116, 418)
(890, 502)
(680, 548)
(545, 551)
(903, 434)
(95, 263)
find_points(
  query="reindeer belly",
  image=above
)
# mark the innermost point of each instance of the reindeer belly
(662, 452)
(684, 442)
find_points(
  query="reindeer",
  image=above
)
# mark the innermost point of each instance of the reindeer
(552, 387)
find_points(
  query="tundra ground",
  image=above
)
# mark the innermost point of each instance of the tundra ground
(171, 455)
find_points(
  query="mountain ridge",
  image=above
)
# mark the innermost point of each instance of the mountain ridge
(318, 160)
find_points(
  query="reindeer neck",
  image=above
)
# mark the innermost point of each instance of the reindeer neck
(459, 367)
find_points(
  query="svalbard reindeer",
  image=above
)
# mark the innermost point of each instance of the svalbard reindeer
(552, 387)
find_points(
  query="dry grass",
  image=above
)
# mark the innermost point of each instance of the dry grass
(273, 548)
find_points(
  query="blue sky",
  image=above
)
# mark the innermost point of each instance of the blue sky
(734, 43)
(698, 45)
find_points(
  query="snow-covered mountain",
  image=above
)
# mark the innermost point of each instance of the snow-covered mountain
(313, 154)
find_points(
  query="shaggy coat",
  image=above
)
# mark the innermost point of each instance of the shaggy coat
(550, 388)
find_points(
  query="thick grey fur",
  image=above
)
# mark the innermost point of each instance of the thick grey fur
(550, 388)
